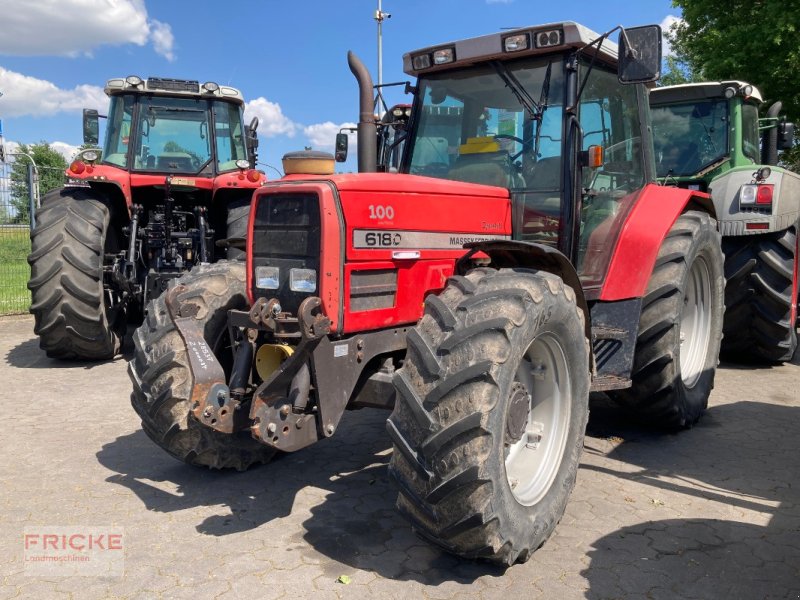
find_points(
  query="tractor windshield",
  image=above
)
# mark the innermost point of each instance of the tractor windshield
(474, 125)
(171, 135)
(690, 137)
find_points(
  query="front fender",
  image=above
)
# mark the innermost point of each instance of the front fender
(509, 254)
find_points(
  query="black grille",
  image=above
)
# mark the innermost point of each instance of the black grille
(173, 85)
(286, 234)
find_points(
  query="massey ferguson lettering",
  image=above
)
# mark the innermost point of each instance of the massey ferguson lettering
(417, 240)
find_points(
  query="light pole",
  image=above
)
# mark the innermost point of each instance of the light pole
(380, 16)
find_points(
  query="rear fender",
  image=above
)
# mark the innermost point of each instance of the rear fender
(105, 177)
(641, 236)
(118, 202)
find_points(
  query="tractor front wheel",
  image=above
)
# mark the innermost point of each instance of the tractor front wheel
(680, 327)
(75, 318)
(162, 378)
(491, 408)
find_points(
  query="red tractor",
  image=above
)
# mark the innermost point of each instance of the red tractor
(169, 190)
(508, 269)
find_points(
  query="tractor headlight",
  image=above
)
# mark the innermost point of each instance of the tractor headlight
(515, 43)
(444, 56)
(90, 155)
(303, 280)
(268, 278)
(421, 61)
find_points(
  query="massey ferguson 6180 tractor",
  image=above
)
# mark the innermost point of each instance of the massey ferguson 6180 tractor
(170, 189)
(530, 147)
(707, 137)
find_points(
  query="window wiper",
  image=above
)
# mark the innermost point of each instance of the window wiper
(543, 100)
(516, 88)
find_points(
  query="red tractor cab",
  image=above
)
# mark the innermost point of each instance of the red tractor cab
(169, 189)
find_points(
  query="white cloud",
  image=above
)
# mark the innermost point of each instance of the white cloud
(323, 135)
(68, 151)
(163, 40)
(28, 96)
(666, 27)
(272, 121)
(74, 27)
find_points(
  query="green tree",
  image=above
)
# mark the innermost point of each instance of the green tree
(757, 41)
(51, 167)
(676, 72)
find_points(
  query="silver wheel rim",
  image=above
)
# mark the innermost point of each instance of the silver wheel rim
(695, 326)
(532, 462)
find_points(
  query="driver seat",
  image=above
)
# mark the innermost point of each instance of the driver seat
(487, 168)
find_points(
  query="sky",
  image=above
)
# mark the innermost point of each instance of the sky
(289, 58)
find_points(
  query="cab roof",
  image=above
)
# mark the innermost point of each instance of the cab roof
(174, 88)
(490, 47)
(669, 94)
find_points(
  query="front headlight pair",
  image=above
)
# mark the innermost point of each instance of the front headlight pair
(300, 280)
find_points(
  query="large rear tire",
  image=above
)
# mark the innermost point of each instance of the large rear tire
(72, 313)
(680, 327)
(162, 379)
(491, 408)
(761, 273)
(238, 214)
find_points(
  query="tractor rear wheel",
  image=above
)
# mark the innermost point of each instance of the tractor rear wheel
(680, 327)
(238, 214)
(74, 316)
(761, 273)
(162, 378)
(491, 408)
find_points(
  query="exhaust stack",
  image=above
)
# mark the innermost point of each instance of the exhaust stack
(367, 124)
(769, 149)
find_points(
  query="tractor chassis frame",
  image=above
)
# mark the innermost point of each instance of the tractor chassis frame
(280, 414)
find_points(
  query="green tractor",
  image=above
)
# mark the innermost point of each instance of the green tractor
(708, 137)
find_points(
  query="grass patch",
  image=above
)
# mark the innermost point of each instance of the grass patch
(15, 244)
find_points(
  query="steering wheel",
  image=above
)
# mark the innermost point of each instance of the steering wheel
(504, 136)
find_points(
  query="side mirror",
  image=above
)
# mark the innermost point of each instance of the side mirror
(341, 147)
(254, 124)
(785, 136)
(250, 138)
(91, 126)
(639, 54)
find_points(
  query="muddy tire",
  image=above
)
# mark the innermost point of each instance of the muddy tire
(482, 472)
(161, 377)
(680, 327)
(761, 274)
(238, 214)
(71, 315)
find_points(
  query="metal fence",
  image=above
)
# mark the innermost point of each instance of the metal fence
(19, 192)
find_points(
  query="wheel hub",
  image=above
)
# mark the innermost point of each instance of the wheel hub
(518, 408)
